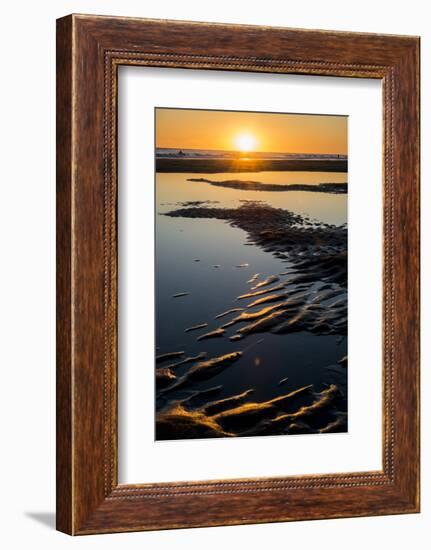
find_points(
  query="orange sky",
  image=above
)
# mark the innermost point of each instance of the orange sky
(285, 133)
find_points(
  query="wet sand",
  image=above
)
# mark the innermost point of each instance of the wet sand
(310, 296)
(212, 166)
(259, 186)
(301, 411)
(321, 249)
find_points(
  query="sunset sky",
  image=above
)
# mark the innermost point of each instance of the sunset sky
(260, 132)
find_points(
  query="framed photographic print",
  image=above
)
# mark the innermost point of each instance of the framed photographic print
(237, 274)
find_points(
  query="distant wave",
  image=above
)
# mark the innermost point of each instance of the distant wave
(213, 154)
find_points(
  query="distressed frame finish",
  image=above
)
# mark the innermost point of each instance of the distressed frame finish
(89, 51)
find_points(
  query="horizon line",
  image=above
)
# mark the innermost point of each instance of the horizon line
(248, 152)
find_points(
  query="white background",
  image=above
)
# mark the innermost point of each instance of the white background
(141, 458)
(27, 120)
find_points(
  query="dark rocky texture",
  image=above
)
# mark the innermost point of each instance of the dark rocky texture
(259, 186)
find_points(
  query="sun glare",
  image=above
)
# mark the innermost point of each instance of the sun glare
(245, 142)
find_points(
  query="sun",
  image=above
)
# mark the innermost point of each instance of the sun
(245, 142)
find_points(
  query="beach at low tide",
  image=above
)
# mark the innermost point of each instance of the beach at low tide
(251, 300)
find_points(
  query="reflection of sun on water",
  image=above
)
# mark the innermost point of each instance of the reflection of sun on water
(245, 142)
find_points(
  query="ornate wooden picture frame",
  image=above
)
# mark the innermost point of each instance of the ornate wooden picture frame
(89, 51)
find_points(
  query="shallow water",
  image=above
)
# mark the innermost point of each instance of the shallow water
(325, 207)
(268, 358)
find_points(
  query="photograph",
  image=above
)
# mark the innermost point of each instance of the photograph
(251, 261)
